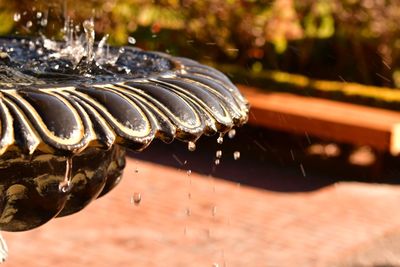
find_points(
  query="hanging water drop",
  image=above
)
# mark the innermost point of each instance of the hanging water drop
(191, 146)
(218, 154)
(232, 133)
(189, 172)
(220, 139)
(236, 155)
(136, 198)
(217, 161)
(65, 185)
(29, 24)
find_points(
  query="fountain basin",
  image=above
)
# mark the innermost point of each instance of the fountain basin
(65, 123)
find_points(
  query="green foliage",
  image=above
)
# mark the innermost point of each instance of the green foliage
(330, 39)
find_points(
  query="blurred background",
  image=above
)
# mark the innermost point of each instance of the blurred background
(312, 180)
(336, 40)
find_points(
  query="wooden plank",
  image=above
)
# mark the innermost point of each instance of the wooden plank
(333, 120)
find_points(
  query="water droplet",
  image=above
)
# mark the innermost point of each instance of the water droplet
(39, 15)
(217, 162)
(214, 211)
(131, 40)
(191, 146)
(220, 139)
(17, 17)
(232, 133)
(29, 24)
(189, 172)
(43, 22)
(65, 185)
(302, 170)
(188, 211)
(185, 231)
(236, 155)
(136, 198)
(218, 154)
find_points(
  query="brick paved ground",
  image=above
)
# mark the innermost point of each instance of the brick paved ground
(220, 224)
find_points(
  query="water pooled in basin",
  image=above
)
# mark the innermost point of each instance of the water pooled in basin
(75, 59)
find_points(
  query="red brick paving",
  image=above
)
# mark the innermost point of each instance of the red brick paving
(228, 225)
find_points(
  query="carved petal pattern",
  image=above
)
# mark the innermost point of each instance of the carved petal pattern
(184, 102)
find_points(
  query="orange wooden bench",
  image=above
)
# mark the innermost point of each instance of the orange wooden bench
(337, 121)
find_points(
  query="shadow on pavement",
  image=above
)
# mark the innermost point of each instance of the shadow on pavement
(270, 160)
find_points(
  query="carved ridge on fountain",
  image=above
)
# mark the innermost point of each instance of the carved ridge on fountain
(183, 103)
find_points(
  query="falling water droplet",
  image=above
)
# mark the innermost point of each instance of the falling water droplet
(131, 40)
(189, 172)
(232, 133)
(43, 22)
(17, 17)
(29, 24)
(217, 161)
(136, 198)
(188, 212)
(218, 154)
(220, 139)
(302, 170)
(65, 185)
(38, 15)
(214, 211)
(191, 146)
(236, 155)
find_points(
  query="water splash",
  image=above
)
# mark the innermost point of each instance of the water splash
(88, 27)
